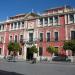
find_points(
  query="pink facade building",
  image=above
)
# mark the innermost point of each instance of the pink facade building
(51, 28)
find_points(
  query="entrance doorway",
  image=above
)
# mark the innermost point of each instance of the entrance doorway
(29, 55)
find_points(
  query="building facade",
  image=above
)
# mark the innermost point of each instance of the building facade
(51, 28)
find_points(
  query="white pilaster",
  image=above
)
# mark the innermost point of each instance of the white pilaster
(24, 52)
(48, 22)
(38, 21)
(74, 18)
(17, 26)
(58, 20)
(43, 22)
(66, 33)
(65, 19)
(53, 21)
(68, 19)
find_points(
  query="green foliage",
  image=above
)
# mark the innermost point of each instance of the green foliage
(69, 45)
(33, 49)
(13, 46)
(52, 49)
(10, 46)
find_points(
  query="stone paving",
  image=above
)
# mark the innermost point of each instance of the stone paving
(22, 67)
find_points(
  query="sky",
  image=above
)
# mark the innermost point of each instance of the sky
(13, 7)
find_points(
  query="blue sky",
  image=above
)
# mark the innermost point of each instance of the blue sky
(13, 7)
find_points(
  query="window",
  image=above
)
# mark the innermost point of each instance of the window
(30, 37)
(41, 21)
(18, 24)
(72, 35)
(22, 23)
(50, 19)
(3, 27)
(46, 20)
(11, 25)
(48, 37)
(71, 17)
(40, 51)
(15, 24)
(0, 27)
(20, 51)
(41, 37)
(21, 37)
(1, 39)
(56, 19)
(0, 50)
(16, 38)
(56, 36)
(10, 38)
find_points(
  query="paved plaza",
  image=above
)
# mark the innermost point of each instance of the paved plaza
(26, 68)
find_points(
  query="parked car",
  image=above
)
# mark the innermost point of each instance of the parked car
(60, 58)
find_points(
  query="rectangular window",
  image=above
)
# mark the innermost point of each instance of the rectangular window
(18, 24)
(16, 38)
(56, 19)
(30, 37)
(15, 24)
(71, 18)
(22, 24)
(51, 20)
(1, 39)
(11, 25)
(56, 36)
(10, 38)
(0, 27)
(72, 35)
(41, 21)
(41, 37)
(46, 20)
(0, 50)
(21, 37)
(40, 51)
(48, 37)
(20, 51)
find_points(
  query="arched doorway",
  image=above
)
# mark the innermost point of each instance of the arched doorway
(29, 56)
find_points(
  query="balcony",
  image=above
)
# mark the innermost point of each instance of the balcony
(29, 42)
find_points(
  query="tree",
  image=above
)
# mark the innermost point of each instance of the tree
(14, 47)
(69, 45)
(33, 49)
(52, 49)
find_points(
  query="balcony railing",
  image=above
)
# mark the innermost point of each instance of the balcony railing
(23, 41)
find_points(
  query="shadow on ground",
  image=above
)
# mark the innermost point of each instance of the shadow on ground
(8, 73)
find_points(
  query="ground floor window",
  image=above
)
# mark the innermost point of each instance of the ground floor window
(40, 51)
(20, 51)
(0, 50)
(72, 35)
